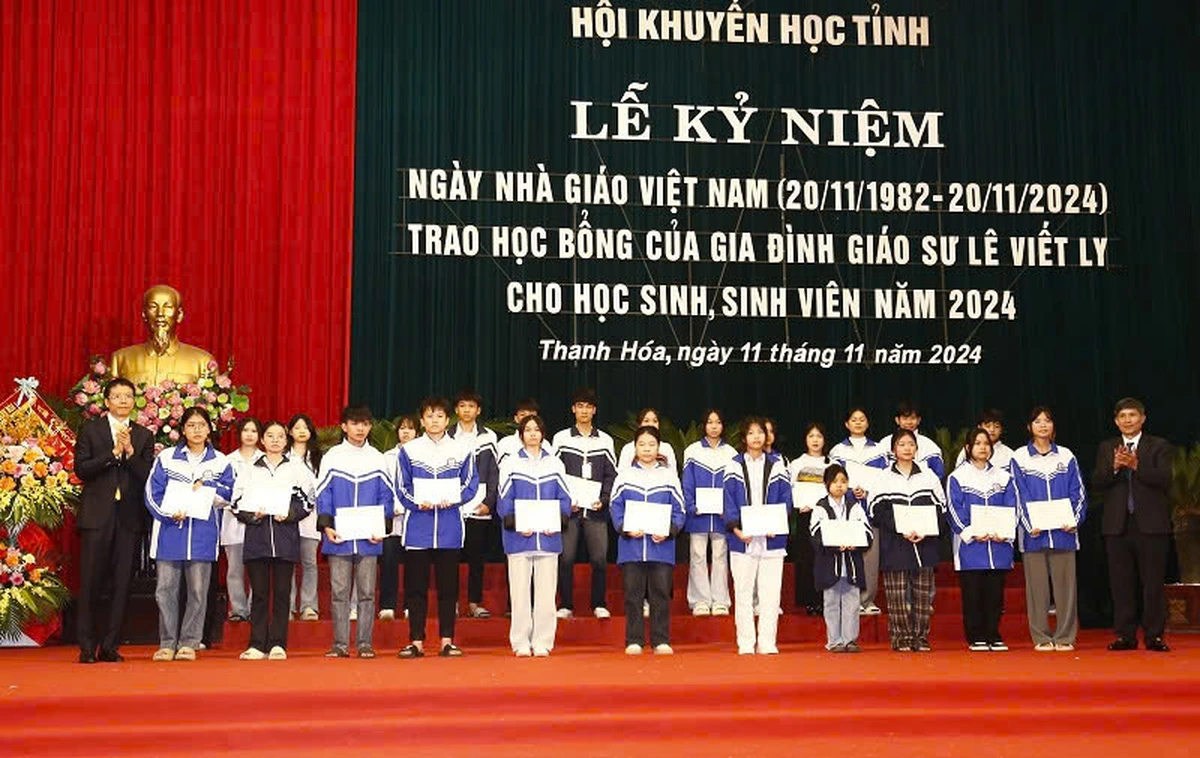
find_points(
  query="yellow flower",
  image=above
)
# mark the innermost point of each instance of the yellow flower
(29, 559)
(29, 481)
(36, 574)
(12, 560)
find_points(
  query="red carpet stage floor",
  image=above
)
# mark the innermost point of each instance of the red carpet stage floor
(595, 701)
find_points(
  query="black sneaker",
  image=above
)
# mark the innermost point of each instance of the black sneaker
(366, 651)
(852, 647)
(451, 651)
(411, 651)
(337, 652)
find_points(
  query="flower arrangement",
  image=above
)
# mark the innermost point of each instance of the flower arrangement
(37, 481)
(159, 407)
(30, 591)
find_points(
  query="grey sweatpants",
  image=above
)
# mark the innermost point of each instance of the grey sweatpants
(1043, 569)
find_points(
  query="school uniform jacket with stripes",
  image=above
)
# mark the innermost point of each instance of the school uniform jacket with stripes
(352, 477)
(969, 486)
(483, 442)
(512, 443)
(892, 488)
(573, 449)
(868, 453)
(929, 454)
(704, 466)
(426, 458)
(1001, 456)
(651, 485)
(832, 563)
(629, 452)
(526, 478)
(1052, 476)
(778, 490)
(266, 537)
(233, 531)
(190, 539)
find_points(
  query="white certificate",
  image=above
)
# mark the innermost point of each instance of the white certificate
(842, 533)
(1045, 515)
(710, 501)
(921, 519)
(437, 491)
(991, 519)
(538, 516)
(361, 523)
(806, 494)
(271, 500)
(648, 518)
(861, 475)
(584, 492)
(768, 520)
(195, 503)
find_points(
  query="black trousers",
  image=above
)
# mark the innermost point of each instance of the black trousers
(417, 564)
(647, 581)
(594, 531)
(105, 558)
(806, 590)
(271, 589)
(982, 603)
(1137, 567)
(475, 548)
(389, 574)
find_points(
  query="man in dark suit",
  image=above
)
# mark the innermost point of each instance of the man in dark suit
(113, 457)
(1133, 472)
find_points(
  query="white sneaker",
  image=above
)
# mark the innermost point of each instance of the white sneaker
(163, 654)
(185, 654)
(720, 610)
(664, 649)
(979, 647)
(354, 614)
(1063, 647)
(633, 649)
(308, 614)
(202, 646)
(565, 613)
(277, 654)
(1044, 647)
(523, 652)
(745, 651)
(645, 609)
(870, 609)
(387, 614)
(702, 609)
(601, 613)
(252, 654)
(541, 653)
(768, 651)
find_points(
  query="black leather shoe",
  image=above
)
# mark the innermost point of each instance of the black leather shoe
(1158, 645)
(87, 656)
(1122, 643)
(110, 656)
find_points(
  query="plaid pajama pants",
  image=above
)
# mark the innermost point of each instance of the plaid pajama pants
(909, 606)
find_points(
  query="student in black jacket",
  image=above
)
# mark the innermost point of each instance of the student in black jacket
(838, 570)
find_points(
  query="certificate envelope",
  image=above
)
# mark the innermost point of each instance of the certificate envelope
(648, 518)
(991, 519)
(842, 533)
(538, 516)
(584, 492)
(437, 491)
(764, 520)
(180, 496)
(921, 519)
(273, 501)
(861, 475)
(361, 523)
(1045, 515)
(806, 494)
(710, 501)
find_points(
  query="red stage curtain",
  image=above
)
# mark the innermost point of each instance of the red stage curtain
(208, 144)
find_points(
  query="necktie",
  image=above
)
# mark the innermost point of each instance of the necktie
(1129, 482)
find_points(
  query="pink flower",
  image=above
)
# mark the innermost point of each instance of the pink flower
(210, 397)
(158, 447)
(212, 366)
(94, 409)
(173, 436)
(177, 412)
(6, 440)
(81, 398)
(99, 368)
(152, 393)
(55, 467)
(193, 390)
(224, 382)
(227, 415)
(143, 419)
(18, 579)
(91, 387)
(175, 400)
(168, 385)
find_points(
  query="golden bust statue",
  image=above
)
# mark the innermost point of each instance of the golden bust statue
(162, 356)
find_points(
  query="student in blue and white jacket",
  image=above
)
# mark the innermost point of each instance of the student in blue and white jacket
(434, 532)
(1042, 471)
(906, 561)
(704, 463)
(929, 454)
(480, 513)
(756, 477)
(647, 560)
(353, 475)
(185, 546)
(838, 570)
(982, 558)
(532, 474)
(407, 428)
(860, 449)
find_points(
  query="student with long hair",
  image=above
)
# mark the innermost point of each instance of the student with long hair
(807, 469)
(407, 428)
(839, 568)
(233, 531)
(647, 417)
(704, 463)
(303, 447)
(1044, 471)
(858, 448)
